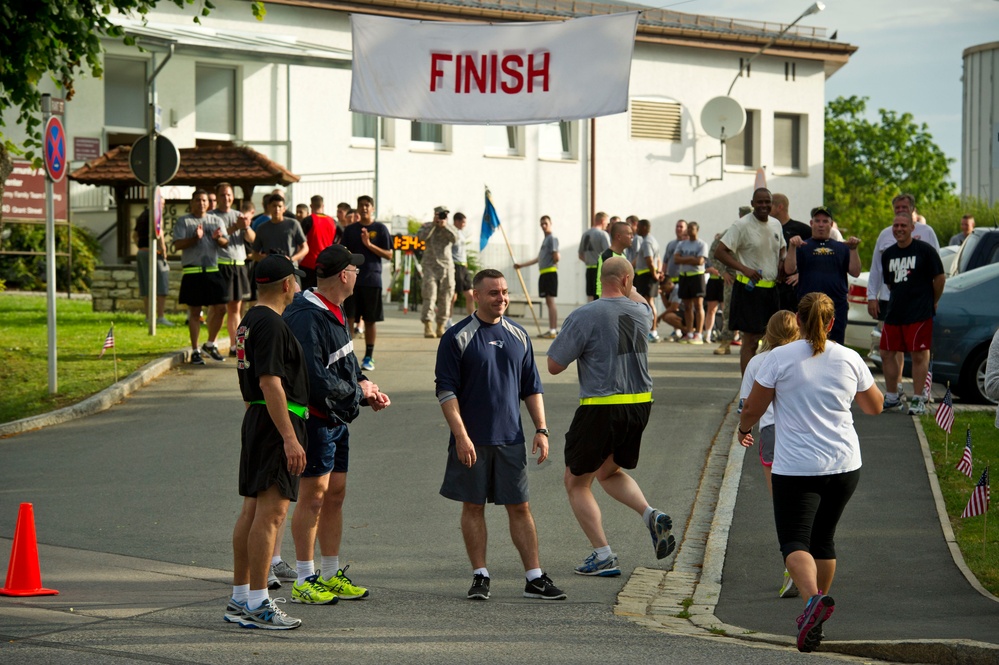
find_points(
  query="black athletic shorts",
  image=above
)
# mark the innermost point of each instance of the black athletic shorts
(366, 304)
(498, 476)
(646, 285)
(462, 282)
(752, 309)
(326, 438)
(548, 285)
(591, 281)
(599, 431)
(237, 281)
(715, 290)
(262, 462)
(199, 289)
(807, 510)
(691, 286)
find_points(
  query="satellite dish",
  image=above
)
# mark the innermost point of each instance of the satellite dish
(723, 118)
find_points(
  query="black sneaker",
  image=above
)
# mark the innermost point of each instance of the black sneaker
(479, 589)
(213, 351)
(232, 354)
(544, 589)
(196, 358)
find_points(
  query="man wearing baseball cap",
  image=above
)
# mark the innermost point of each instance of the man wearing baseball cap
(337, 390)
(438, 272)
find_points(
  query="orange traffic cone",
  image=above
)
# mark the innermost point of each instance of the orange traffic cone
(23, 575)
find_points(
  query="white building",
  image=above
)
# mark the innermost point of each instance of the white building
(282, 86)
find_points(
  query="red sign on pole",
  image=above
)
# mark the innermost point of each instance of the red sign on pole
(54, 149)
(24, 195)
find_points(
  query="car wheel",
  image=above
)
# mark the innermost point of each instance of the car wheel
(973, 377)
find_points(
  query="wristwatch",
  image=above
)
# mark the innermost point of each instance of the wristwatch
(542, 430)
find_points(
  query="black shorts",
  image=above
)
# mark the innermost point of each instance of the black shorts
(323, 452)
(715, 290)
(498, 476)
(751, 310)
(198, 289)
(646, 285)
(548, 285)
(262, 462)
(691, 286)
(599, 431)
(462, 282)
(366, 304)
(807, 510)
(591, 281)
(237, 280)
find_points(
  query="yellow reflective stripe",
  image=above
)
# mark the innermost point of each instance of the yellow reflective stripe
(763, 283)
(631, 398)
(298, 409)
(675, 280)
(545, 271)
(715, 277)
(196, 269)
(642, 272)
(229, 262)
(691, 274)
(593, 266)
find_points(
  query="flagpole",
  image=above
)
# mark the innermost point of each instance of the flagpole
(114, 350)
(520, 277)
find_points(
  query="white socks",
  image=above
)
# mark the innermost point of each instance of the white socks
(481, 571)
(305, 570)
(329, 565)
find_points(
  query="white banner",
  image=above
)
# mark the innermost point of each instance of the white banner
(508, 74)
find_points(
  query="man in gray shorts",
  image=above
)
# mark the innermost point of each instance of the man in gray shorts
(608, 340)
(485, 364)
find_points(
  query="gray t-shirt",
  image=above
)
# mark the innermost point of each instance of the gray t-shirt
(204, 254)
(548, 248)
(672, 269)
(459, 250)
(608, 339)
(236, 249)
(284, 237)
(633, 252)
(592, 245)
(650, 250)
(692, 248)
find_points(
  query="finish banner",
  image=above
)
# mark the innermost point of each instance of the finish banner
(507, 74)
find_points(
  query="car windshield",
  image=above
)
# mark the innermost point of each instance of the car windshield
(966, 280)
(967, 250)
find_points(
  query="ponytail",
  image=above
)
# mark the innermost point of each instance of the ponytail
(815, 313)
(782, 328)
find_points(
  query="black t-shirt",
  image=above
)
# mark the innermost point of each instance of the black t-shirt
(266, 346)
(908, 274)
(795, 228)
(142, 230)
(822, 267)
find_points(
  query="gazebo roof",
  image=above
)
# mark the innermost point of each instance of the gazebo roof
(203, 166)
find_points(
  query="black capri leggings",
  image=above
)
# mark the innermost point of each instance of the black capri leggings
(807, 510)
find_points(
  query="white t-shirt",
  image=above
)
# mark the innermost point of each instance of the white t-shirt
(813, 394)
(756, 244)
(747, 386)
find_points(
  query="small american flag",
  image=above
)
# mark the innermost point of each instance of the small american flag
(945, 412)
(979, 501)
(108, 341)
(964, 466)
(928, 386)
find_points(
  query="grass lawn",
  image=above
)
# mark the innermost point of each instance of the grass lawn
(79, 339)
(956, 488)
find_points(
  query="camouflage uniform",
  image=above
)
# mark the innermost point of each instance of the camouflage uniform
(725, 336)
(438, 271)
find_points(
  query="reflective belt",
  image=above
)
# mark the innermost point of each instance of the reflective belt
(715, 277)
(691, 274)
(631, 398)
(230, 262)
(298, 409)
(763, 283)
(545, 271)
(459, 263)
(642, 272)
(593, 266)
(194, 270)
(675, 280)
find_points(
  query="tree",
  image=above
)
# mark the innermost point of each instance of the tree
(868, 163)
(60, 38)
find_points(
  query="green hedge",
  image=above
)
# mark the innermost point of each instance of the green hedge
(27, 273)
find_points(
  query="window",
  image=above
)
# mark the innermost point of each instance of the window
(216, 101)
(504, 140)
(740, 150)
(655, 120)
(125, 100)
(363, 130)
(787, 141)
(427, 136)
(558, 140)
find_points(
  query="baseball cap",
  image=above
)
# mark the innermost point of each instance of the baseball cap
(274, 268)
(332, 260)
(441, 209)
(823, 211)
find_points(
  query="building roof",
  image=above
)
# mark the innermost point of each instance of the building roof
(203, 166)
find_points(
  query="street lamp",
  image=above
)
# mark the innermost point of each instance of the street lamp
(814, 9)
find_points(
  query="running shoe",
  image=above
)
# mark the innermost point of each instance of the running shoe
(543, 588)
(817, 611)
(368, 365)
(311, 592)
(273, 583)
(662, 540)
(736, 342)
(165, 322)
(341, 585)
(232, 351)
(480, 588)
(599, 567)
(892, 402)
(269, 617)
(917, 407)
(233, 611)
(787, 588)
(196, 358)
(550, 334)
(284, 572)
(696, 339)
(212, 351)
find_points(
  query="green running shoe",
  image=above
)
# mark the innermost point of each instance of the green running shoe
(341, 585)
(311, 592)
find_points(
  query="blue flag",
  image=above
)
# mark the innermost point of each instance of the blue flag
(490, 222)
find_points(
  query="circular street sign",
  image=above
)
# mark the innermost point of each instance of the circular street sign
(167, 159)
(54, 149)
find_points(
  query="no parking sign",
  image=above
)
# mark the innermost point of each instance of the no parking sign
(54, 149)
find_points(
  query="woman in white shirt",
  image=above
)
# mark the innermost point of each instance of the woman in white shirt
(812, 383)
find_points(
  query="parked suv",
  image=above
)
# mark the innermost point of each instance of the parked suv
(980, 248)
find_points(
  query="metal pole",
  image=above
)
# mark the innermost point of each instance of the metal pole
(50, 261)
(151, 203)
(378, 150)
